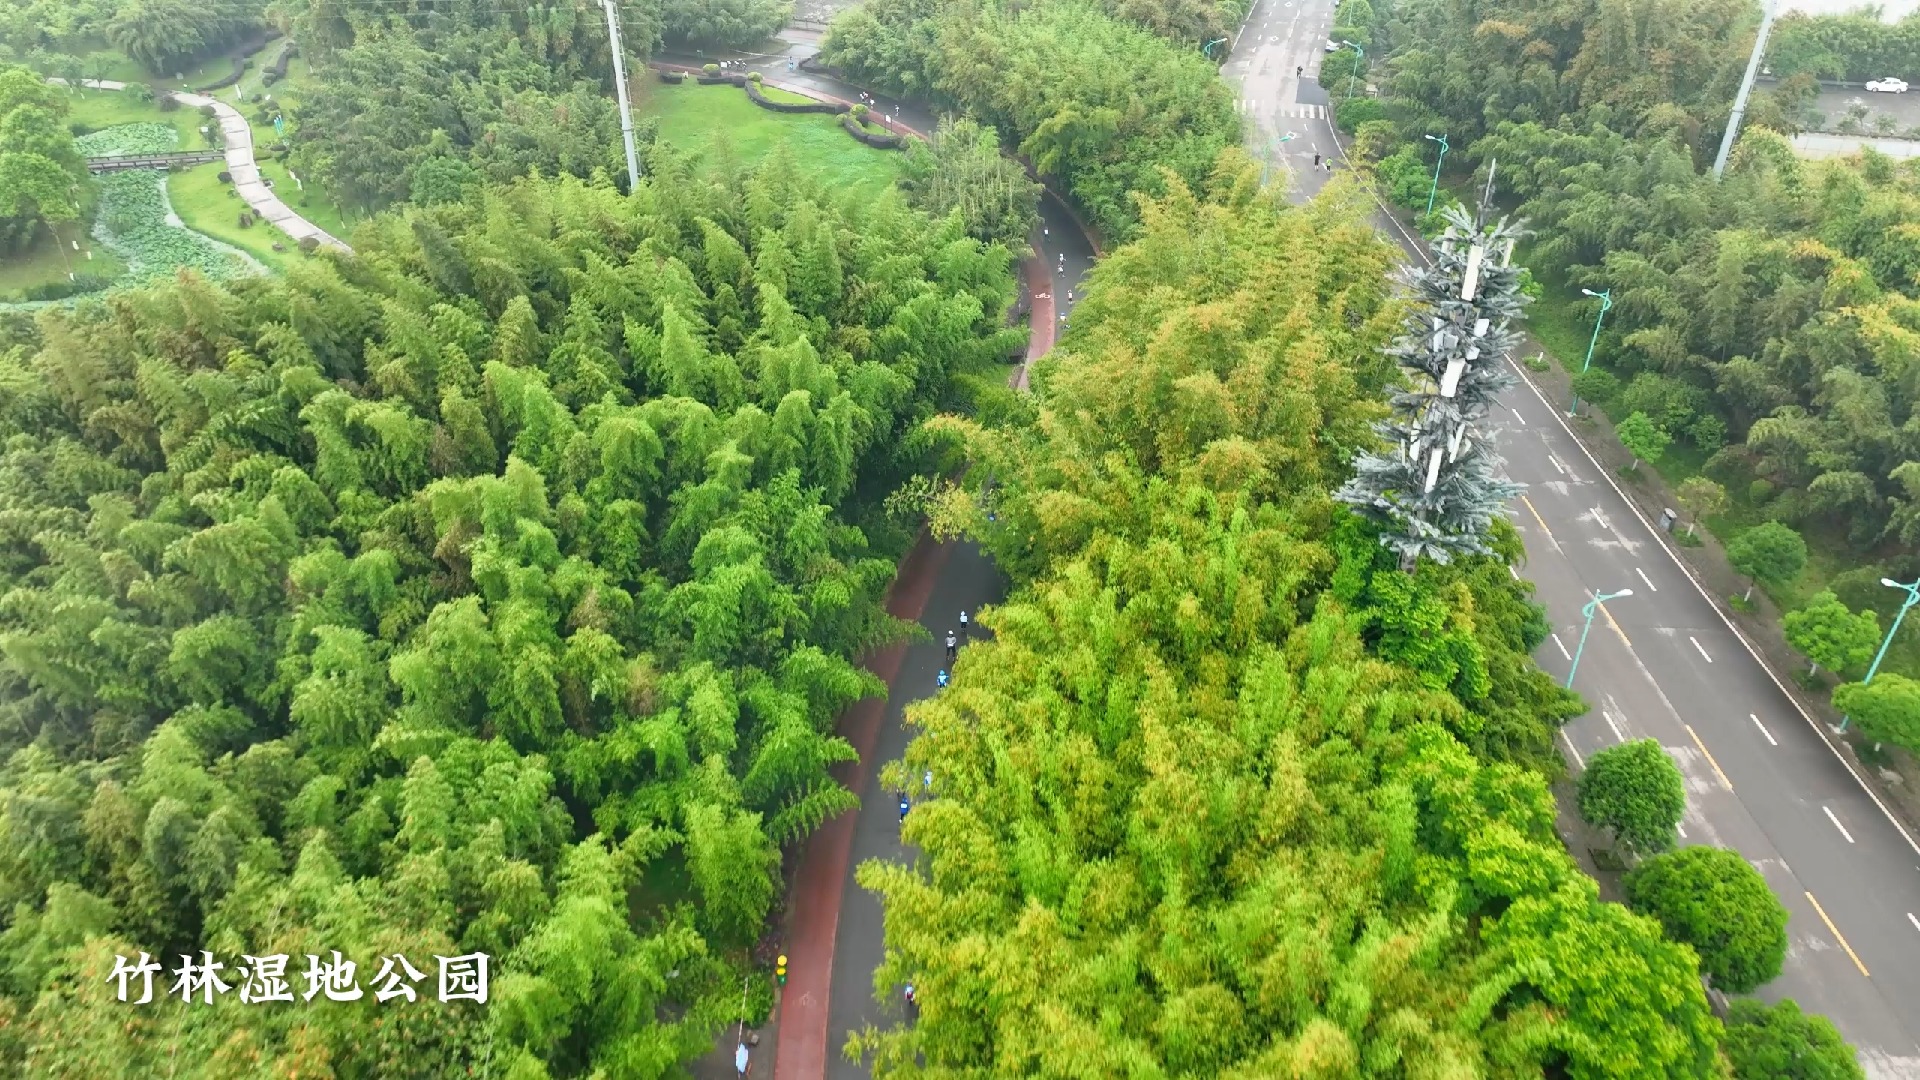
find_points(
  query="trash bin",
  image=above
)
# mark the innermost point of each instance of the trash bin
(1667, 518)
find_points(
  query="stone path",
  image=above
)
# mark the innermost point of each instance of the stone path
(237, 135)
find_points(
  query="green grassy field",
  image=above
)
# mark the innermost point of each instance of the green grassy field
(99, 109)
(207, 205)
(695, 119)
(47, 261)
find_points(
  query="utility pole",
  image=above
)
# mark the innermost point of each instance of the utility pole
(1746, 88)
(620, 88)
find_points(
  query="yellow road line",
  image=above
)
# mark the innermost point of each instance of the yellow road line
(1616, 626)
(1536, 516)
(1837, 936)
(1709, 753)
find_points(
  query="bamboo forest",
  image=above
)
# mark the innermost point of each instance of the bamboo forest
(941, 540)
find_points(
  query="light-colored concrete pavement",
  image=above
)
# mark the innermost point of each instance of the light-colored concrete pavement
(1275, 70)
(237, 136)
(1665, 663)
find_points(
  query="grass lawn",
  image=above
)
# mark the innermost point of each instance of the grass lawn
(774, 93)
(99, 109)
(695, 118)
(209, 206)
(48, 261)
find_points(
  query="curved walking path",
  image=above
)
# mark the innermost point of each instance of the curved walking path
(237, 136)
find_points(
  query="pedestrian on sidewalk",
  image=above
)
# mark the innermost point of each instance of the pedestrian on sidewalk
(1069, 295)
(740, 1059)
(1316, 161)
(941, 679)
(963, 622)
(953, 646)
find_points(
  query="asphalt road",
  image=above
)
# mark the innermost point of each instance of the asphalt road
(1836, 105)
(967, 581)
(1664, 663)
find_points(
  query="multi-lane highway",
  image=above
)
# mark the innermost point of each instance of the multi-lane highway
(1663, 663)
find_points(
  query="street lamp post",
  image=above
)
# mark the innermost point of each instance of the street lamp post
(1606, 304)
(1598, 599)
(1435, 189)
(1913, 597)
(1207, 50)
(1359, 56)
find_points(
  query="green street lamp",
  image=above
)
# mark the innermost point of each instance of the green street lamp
(1606, 304)
(1207, 50)
(1913, 597)
(1592, 605)
(1435, 189)
(1360, 55)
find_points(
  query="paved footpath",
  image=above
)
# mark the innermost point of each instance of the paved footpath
(237, 136)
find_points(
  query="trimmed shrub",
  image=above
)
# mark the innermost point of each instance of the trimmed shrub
(309, 244)
(1715, 901)
(710, 69)
(224, 176)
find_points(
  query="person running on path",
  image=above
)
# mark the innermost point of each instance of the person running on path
(941, 678)
(926, 780)
(904, 807)
(963, 622)
(740, 1060)
(909, 995)
(953, 646)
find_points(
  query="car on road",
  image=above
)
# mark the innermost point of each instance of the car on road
(1887, 86)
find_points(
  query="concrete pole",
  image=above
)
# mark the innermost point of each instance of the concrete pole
(1746, 88)
(620, 88)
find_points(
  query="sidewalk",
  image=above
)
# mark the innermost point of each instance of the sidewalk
(237, 136)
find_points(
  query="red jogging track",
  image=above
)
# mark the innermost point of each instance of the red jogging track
(800, 1050)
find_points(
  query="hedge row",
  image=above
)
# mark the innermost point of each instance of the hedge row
(760, 99)
(878, 142)
(239, 56)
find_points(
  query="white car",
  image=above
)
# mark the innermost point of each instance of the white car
(1333, 46)
(1887, 86)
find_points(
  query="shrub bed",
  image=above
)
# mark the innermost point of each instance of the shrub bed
(761, 99)
(873, 139)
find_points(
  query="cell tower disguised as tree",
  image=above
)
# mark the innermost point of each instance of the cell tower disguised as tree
(1438, 485)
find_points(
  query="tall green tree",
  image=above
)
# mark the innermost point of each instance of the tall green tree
(1714, 900)
(1830, 634)
(1635, 790)
(41, 171)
